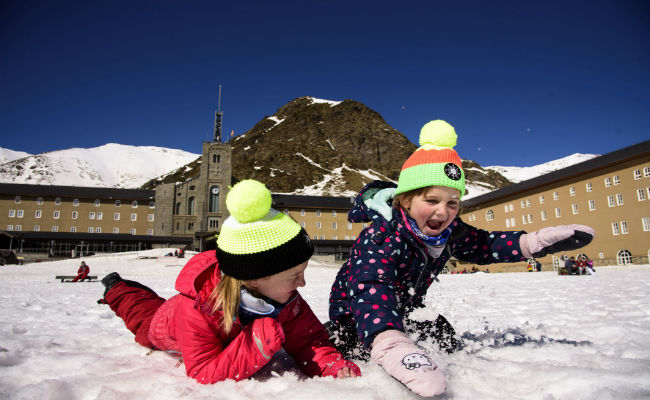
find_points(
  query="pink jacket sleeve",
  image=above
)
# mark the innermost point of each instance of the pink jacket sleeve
(208, 360)
(308, 343)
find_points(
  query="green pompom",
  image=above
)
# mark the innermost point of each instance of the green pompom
(438, 133)
(248, 201)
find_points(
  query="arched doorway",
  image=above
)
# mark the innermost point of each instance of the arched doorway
(624, 257)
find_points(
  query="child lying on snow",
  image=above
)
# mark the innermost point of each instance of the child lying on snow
(237, 306)
(415, 229)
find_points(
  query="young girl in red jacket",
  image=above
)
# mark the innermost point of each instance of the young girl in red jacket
(237, 306)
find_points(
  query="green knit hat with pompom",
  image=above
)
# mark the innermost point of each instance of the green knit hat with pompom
(435, 162)
(255, 240)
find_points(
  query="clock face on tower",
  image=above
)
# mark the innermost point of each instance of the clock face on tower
(215, 190)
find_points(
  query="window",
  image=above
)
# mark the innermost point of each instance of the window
(91, 229)
(528, 203)
(10, 227)
(592, 205)
(91, 215)
(334, 237)
(150, 217)
(523, 219)
(132, 231)
(38, 213)
(640, 194)
(574, 208)
(544, 217)
(302, 212)
(12, 213)
(322, 237)
(73, 229)
(335, 225)
(512, 207)
(214, 199)
(75, 214)
(318, 213)
(505, 207)
(588, 186)
(213, 223)
(177, 210)
(55, 228)
(57, 201)
(134, 217)
(617, 180)
(489, 215)
(556, 195)
(608, 182)
(523, 204)
(507, 222)
(303, 224)
(116, 216)
(116, 230)
(98, 229)
(615, 229)
(17, 199)
(637, 174)
(333, 213)
(152, 204)
(56, 214)
(100, 215)
(97, 203)
(572, 191)
(619, 199)
(134, 204)
(118, 203)
(558, 212)
(349, 226)
(75, 202)
(318, 225)
(190, 226)
(646, 172)
(624, 230)
(19, 213)
(645, 222)
(190, 206)
(610, 201)
(39, 200)
(18, 228)
(150, 232)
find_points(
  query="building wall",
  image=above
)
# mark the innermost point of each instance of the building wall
(613, 200)
(137, 219)
(325, 223)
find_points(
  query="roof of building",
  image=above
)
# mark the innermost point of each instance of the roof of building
(290, 200)
(606, 160)
(76, 191)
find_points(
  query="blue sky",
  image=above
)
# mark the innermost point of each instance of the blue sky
(523, 82)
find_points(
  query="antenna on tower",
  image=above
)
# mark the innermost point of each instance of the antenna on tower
(217, 120)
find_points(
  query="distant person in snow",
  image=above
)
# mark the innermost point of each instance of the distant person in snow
(237, 306)
(82, 272)
(413, 230)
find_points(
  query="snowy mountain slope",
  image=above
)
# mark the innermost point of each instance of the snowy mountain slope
(7, 155)
(110, 165)
(519, 174)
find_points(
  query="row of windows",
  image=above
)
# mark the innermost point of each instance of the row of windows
(618, 227)
(75, 215)
(55, 228)
(318, 212)
(319, 225)
(612, 200)
(75, 202)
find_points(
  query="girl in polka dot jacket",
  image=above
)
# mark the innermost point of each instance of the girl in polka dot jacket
(414, 230)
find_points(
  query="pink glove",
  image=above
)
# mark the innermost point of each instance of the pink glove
(268, 336)
(554, 239)
(407, 363)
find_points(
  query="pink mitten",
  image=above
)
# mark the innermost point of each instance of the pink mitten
(407, 363)
(554, 239)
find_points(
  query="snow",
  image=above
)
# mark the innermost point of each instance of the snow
(7, 155)
(332, 103)
(519, 174)
(555, 337)
(110, 165)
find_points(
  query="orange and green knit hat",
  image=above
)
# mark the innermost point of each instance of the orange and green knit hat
(435, 162)
(255, 240)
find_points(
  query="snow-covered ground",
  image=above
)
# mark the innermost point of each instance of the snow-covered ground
(528, 336)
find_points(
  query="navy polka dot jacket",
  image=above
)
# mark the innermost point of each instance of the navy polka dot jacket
(389, 271)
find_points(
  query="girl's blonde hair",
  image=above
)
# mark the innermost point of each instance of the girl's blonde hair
(399, 199)
(226, 297)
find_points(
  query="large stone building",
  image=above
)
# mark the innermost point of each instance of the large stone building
(609, 193)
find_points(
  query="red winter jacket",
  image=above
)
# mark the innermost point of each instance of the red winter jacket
(187, 324)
